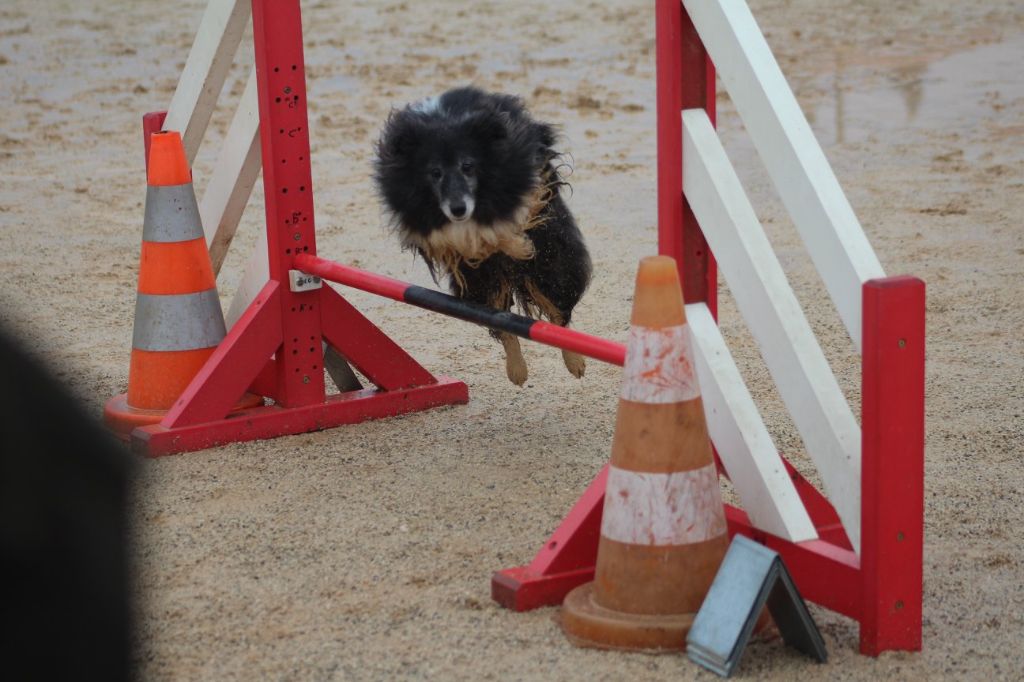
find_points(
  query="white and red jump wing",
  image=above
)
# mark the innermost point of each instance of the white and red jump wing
(677, 508)
(659, 366)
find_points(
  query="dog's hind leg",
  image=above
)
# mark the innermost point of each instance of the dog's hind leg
(515, 363)
(574, 362)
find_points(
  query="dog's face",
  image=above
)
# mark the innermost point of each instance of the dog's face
(454, 182)
(434, 169)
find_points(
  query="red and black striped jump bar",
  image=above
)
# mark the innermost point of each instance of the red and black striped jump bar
(429, 299)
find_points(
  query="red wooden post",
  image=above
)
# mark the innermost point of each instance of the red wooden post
(288, 191)
(686, 80)
(892, 488)
(152, 122)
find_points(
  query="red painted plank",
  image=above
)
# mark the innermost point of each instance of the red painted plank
(521, 589)
(265, 383)
(566, 560)
(824, 573)
(892, 486)
(273, 421)
(369, 350)
(823, 514)
(231, 368)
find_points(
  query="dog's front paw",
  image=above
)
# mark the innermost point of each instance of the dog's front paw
(575, 363)
(515, 368)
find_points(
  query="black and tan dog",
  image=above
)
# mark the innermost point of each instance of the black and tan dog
(472, 184)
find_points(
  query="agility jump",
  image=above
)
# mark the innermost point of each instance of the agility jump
(438, 302)
(856, 549)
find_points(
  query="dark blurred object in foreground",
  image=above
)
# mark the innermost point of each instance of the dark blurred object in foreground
(63, 531)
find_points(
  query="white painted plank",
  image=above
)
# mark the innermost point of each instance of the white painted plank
(255, 275)
(220, 32)
(739, 434)
(773, 314)
(787, 146)
(234, 175)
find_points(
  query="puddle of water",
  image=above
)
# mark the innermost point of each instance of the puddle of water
(954, 92)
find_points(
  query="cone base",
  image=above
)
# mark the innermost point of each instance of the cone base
(121, 418)
(589, 624)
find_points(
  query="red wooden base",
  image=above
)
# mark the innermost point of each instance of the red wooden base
(566, 560)
(250, 358)
(273, 421)
(523, 589)
(827, 574)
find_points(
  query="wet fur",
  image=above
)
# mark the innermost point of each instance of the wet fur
(520, 245)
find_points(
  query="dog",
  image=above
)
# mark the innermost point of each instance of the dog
(472, 183)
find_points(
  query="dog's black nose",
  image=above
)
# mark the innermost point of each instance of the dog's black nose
(458, 210)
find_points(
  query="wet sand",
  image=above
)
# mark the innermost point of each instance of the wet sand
(365, 552)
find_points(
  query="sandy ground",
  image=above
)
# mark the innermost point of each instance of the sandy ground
(366, 552)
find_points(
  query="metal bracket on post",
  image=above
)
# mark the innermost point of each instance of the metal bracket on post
(300, 281)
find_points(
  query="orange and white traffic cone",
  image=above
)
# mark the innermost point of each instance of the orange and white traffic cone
(178, 319)
(663, 530)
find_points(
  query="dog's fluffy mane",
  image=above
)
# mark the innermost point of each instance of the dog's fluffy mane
(518, 171)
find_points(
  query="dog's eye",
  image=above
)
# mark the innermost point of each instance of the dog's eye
(436, 173)
(467, 167)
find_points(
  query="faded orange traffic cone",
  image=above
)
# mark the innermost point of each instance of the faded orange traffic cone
(178, 319)
(663, 530)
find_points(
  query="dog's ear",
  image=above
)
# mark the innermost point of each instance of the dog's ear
(546, 135)
(488, 126)
(402, 135)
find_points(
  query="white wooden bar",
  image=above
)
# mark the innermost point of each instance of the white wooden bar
(787, 146)
(806, 384)
(739, 434)
(233, 177)
(255, 275)
(220, 32)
